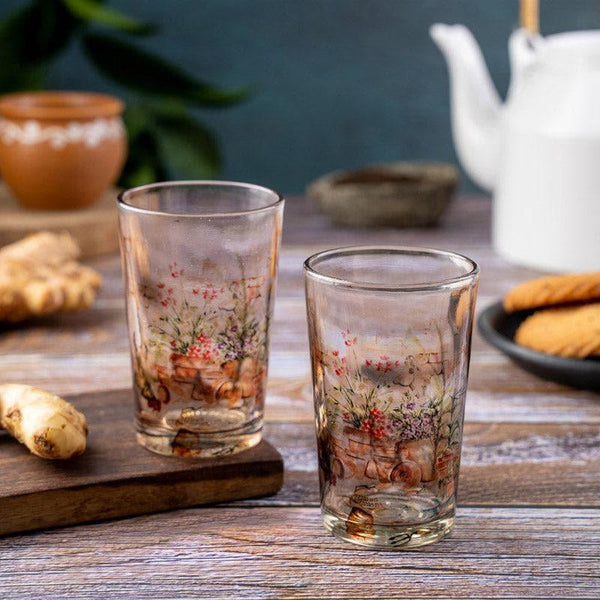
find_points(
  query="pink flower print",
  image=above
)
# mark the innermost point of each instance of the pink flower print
(207, 355)
(253, 292)
(365, 425)
(384, 365)
(368, 362)
(195, 292)
(165, 302)
(210, 293)
(206, 343)
(175, 272)
(376, 414)
(348, 341)
(378, 432)
(193, 350)
(336, 353)
(160, 286)
(170, 291)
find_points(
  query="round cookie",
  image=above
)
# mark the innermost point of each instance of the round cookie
(568, 331)
(553, 290)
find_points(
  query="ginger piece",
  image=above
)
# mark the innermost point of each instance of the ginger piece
(48, 425)
(39, 275)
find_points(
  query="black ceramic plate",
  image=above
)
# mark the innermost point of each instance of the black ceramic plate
(498, 328)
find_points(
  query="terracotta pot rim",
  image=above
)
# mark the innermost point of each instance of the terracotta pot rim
(59, 106)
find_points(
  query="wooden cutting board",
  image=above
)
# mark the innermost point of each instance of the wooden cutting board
(116, 477)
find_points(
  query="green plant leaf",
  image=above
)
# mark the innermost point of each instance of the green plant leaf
(140, 70)
(29, 38)
(144, 173)
(144, 164)
(137, 118)
(94, 12)
(188, 148)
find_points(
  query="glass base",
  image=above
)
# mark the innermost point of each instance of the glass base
(197, 445)
(388, 537)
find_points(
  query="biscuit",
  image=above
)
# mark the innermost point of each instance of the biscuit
(553, 290)
(572, 331)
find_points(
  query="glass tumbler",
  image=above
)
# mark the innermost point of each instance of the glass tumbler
(390, 331)
(200, 263)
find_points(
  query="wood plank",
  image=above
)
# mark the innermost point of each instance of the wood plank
(103, 328)
(64, 352)
(286, 553)
(502, 464)
(466, 229)
(527, 464)
(498, 390)
(528, 443)
(116, 477)
(509, 464)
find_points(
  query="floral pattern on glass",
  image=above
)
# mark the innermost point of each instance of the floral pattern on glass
(206, 344)
(389, 428)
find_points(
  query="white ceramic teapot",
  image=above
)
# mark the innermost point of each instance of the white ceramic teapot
(540, 152)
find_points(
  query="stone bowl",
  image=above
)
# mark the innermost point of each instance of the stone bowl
(399, 194)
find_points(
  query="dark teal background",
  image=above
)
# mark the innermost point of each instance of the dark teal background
(338, 83)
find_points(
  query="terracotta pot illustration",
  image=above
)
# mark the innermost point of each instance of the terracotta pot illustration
(422, 453)
(61, 150)
(385, 460)
(227, 384)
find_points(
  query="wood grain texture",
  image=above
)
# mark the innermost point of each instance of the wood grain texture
(502, 464)
(529, 515)
(285, 553)
(94, 227)
(116, 477)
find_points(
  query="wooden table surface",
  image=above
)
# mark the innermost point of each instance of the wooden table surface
(528, 522)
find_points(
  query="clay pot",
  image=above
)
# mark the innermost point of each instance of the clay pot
(422, 453)
(407, 473)
(359, 442)
(61, 150)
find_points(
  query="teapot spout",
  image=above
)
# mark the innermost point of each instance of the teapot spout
(474, 102)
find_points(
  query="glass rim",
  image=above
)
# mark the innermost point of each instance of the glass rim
(442, 284)
(149, 187)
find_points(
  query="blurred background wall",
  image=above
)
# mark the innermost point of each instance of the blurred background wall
(337, 83)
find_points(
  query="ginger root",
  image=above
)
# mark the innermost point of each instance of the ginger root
(39, 275)
(48, 425)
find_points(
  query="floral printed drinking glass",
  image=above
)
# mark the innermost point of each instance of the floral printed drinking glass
(390, 332)
(200, 262)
